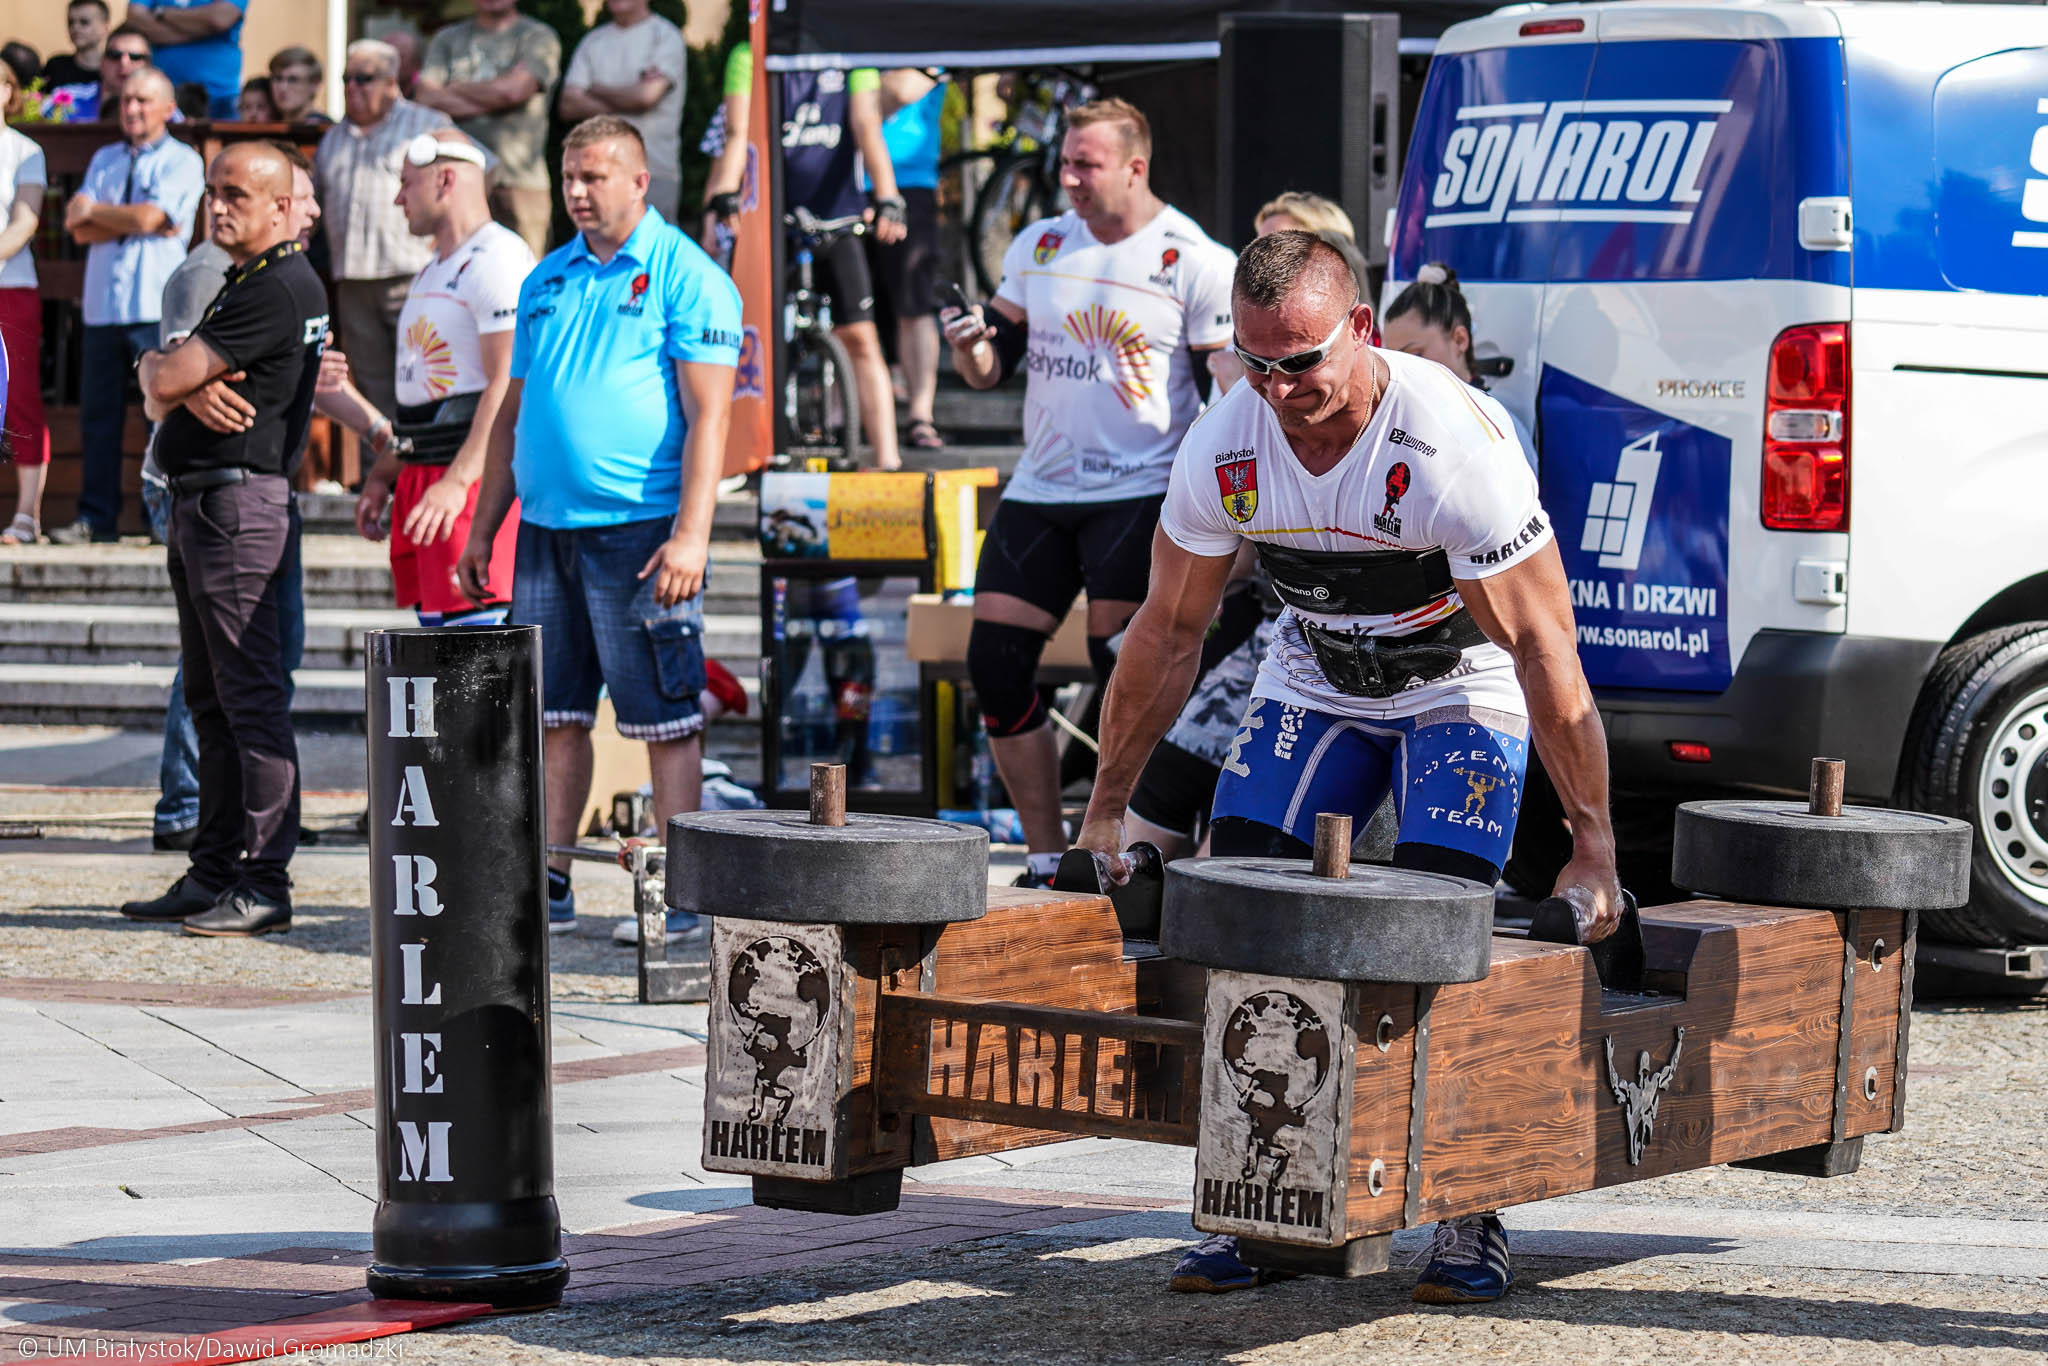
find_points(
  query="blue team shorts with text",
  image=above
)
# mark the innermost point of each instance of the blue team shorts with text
(1455, 773)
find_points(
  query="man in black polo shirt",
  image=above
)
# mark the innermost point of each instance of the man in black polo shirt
(230, 521)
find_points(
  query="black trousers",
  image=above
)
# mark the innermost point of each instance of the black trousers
(227, 550)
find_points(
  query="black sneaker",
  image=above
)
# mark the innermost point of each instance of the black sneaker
(185, 897)
(173, 841)
(242, 914)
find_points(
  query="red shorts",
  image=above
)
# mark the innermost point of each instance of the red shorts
(423, 576)
(21, 324)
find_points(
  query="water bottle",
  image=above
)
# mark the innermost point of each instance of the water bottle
(982, 788)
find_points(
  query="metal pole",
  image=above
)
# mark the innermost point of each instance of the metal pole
(459, 970)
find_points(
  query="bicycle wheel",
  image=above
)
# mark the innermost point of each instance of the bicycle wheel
(819, 397)
(1014, 195)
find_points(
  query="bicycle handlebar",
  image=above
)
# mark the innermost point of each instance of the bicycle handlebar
(802, 220)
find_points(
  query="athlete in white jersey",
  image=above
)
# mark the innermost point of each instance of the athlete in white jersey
(1118, 312)
(454, 359)
(1428, 632)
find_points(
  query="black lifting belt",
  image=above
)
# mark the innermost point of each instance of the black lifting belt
(435, 431)
(1372, 583)
(1379, 666)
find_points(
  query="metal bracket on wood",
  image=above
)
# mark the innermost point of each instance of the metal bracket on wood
(1909, 947)
(1418, 1104)
(1851, 924)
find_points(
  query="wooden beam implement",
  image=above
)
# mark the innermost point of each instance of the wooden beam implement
(1350, 1050)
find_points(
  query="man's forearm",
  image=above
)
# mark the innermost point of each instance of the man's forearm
(347, 406)
(450, 101)
(127, 220)
(468, 465)
(1573, 744)
(184, 25)
(495, 492)
(1155, 673)
(703, 467)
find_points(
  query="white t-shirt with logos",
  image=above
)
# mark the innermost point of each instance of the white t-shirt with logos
(1438, 465)
(21, 163)
(1110, 381)
(471, 294)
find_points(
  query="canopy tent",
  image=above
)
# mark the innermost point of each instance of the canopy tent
(819, 34)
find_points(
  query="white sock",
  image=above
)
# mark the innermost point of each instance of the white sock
(1042, 865)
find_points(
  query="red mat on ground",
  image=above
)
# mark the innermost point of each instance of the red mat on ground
(349, 1323)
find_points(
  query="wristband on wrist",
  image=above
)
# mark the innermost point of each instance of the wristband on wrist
(723, 205)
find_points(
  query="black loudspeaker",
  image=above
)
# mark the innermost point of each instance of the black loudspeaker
(1310, 102)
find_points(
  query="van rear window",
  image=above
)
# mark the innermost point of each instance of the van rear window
(1670, 160)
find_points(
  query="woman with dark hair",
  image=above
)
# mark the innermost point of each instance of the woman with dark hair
(256, 103)
(1431, 319)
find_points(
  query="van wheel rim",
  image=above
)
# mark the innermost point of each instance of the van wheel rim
(2012, 795)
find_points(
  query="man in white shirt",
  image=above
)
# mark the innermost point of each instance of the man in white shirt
(1427, 633)
(1117, 311)
(634, 67)
(454, 363)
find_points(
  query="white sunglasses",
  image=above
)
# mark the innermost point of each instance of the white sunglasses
(426, 149)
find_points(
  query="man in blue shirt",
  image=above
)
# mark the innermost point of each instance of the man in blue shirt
(612, 436)
(198, 41)
(133, 214)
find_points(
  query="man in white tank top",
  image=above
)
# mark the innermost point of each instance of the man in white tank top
(1428, 632)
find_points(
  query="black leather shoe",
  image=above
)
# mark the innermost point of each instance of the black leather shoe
(185, 897)
(241, 914)
(173, 841)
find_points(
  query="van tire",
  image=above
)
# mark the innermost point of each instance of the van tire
(1980, 690)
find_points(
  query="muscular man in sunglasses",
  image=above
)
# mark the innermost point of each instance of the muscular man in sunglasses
(1118, 312)
(1427, 638)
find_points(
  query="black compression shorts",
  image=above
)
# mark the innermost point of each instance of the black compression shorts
(841, 273)
(1045, 553)
(1176, 790)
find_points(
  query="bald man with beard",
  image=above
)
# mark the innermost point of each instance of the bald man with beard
(229, 531)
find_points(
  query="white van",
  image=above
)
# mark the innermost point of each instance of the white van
(1774, 282)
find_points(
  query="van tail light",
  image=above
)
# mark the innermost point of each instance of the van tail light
(1806, 430)
(1543, 28)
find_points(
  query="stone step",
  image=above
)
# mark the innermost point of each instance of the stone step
(120, 633)
(342, 572)
(334, 514)
(957, 410)
(133, 695)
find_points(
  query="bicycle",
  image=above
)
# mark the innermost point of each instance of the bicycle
(820, 399)
(1023, 185)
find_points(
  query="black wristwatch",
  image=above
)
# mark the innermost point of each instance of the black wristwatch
(723, 205)
(888, 208)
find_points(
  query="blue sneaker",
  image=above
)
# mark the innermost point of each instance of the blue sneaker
(562, 912)
(683, 928)
(1468, 1263)
(1211, 1267)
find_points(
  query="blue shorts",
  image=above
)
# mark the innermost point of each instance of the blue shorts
(1455, 772)
(600, 627)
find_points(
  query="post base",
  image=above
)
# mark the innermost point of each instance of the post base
(1822, 1159)
(538, 1286)
(1359, 1257)
(870, 1193)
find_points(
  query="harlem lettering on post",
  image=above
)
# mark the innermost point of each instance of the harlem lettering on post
(767, 1143)
(422, 1142)
(1283, 1206)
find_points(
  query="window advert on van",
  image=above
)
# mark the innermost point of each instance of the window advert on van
(1650, 160)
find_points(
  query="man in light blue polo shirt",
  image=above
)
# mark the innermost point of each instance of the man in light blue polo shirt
(133, 214)
(196, 41)
(612, 435)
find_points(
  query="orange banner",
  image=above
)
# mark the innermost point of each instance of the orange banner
(751, 441)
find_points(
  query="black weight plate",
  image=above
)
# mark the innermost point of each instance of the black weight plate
(1780, 854)
(873, 870)
(1276, 916)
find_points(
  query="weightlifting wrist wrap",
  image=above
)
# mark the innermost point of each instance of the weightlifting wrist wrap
(1009, 341)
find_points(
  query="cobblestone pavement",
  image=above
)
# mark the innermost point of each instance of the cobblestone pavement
(1937, 1250)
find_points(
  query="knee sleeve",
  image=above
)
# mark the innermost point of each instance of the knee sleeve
(1436, 858)
(1002, 663)
(1236, 837)
(1100, 657)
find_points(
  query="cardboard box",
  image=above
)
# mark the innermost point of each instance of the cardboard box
(938, 633)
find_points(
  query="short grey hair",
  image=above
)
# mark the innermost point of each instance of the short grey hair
(385, 55)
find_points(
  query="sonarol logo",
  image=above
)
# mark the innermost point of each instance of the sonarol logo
(1575, 161)
(1618, 513)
